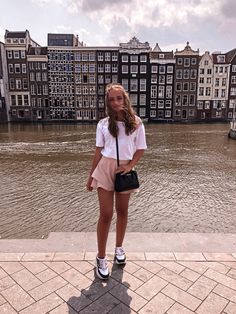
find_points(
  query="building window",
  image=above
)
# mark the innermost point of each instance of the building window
(154, 78)
(233, 91)
(25, 83)
(154, 68)
(170, 69)
(168, 91)
(168, 103)
(191, 100)
(143, 85)
(186, 74)
(185, 100)
(209, 71)
(192, 86)
(233, 79)
(107, 67)
(179, 74)
(191, 112)
(10, 68)
(153, 91)
(100, 56)
(125, 84)
(178, 100)
(208, 91)
(91, 56)
(193, 74)
(177, 112)
(125, 58)
(220, 58)
(179, 61)
(193, 61)
(9, 54)
(216, 93)
(100, 68)
(201, 91)
(234, 68)
(17, 68)
(107, 79)
(223, 81)
(217, 82)
(200, 105)
(125, 69)
(142, 112)
(153, 113)
(161, 79)
(114, 78)
(134, 99)
(142, 99)
(208, 80)
(153, 103)
(107, 56)
(133, 85)
(16, 54)
(44, 76)
(134, 69)
(18, 84)
(185, 87)
(168, 113)
(13, 100)
(19, 100)
(84, 56)
(133, 58)
(178, 86)
(207, 104)
(22, 52)
(201, 80)
(143, 58)
(23, 68)
(38, 76)
(143, 69)
(160, 104)
(186, 62)
(114, 56)
(201, 71)
(161, 91)
(169, 79)
(26, 100)
(114, 68)
(162, 69)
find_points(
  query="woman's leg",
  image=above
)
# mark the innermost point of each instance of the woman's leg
(106, 199)
(122, 203)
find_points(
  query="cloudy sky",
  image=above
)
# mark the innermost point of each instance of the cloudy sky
(207, 24)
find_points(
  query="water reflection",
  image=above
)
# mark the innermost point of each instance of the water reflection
(188, 180)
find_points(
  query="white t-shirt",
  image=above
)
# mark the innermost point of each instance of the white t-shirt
(128, 144)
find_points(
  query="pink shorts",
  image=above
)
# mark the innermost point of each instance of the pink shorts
(104, 174)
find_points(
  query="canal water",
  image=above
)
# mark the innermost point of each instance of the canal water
(188, 180)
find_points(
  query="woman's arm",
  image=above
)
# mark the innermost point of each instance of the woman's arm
(96, 158)
(126, 168)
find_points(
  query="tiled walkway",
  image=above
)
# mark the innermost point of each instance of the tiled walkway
(151, 282)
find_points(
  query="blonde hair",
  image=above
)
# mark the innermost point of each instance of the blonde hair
(129, 114)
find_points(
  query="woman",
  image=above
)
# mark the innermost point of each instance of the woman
(129, 129)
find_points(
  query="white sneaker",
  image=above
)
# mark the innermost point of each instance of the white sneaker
(102, 270)
(120, 257)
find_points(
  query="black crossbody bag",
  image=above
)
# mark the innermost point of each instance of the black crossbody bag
(125, 182)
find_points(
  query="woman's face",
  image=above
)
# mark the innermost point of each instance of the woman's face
(116, 100)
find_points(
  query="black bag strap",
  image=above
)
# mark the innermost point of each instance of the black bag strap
(117, 152)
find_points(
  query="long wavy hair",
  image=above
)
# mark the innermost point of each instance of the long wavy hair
(128, 113)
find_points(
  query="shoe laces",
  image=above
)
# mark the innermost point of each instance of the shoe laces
(102, 263)
(119, 251)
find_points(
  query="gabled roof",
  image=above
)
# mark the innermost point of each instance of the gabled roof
(187, 51)
(9, 34)
(157, 48)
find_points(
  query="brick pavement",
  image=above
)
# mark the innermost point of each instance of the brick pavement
(151, 282)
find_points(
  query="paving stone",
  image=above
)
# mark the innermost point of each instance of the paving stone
(10, 257)
(232, 273)
(213, 304)
(219, 257)
(63, 309)
(143, 274)
(179, 309)
(58, 267)
(220, 278)
(158, 305)
(190, 275)
(229, 264)
(128, 297)
(34, 267)
(46, 275)
(128, 280)
(47, 288)
(122, 309)
(11, 267)
(102, 305)
(174, 278)
(76, 279)
(154, 256)
(2, 273)
(73, 297)
(136, 256)
(220, 268)
(184, 298)
(37, 257)
(68, 256)
(132, 267)
(153, 267)
(90, 256)
(6, 282)
(43, 306)
(17, 297)
(199, 267)
(173, 266)
(7, 309)
(230, 308)
(82, 266)
(26, 279)
(225, 292)
(189, 256)
(2, 300)
(98, 288)
(151, 287)
(202, 287)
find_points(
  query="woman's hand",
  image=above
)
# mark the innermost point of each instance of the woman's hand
(88, 185)
(124, 169)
